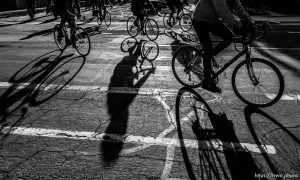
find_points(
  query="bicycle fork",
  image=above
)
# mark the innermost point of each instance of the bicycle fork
(250, 69)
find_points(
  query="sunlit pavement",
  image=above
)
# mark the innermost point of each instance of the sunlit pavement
(111, 115)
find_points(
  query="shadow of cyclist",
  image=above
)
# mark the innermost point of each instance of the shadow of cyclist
(34, 84)
(224, 158)
(267, 130)
(118, 101)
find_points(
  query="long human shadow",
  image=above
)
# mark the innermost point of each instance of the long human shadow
(23, 22)
(266, 129)
(207, 126)
(34, 84)
(39, 33)
(118, 102)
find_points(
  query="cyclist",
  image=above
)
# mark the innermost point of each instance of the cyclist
(173, 5)
(31, 6)
(66, 9)
(138, 9)
(102, 9)
(217, 17)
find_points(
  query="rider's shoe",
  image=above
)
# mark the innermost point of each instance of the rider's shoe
(210, 86)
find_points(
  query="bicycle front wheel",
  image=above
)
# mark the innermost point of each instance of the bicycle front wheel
(259, 84)
(61, 41)
(185, 22)
(83, 43)
(131, 28)
(151, 29)
(150, 50)
(187, 66)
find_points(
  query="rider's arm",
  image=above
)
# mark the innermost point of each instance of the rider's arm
(240, 11)
(223, 12)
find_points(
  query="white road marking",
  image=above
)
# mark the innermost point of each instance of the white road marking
(140, 91)
(92, 136)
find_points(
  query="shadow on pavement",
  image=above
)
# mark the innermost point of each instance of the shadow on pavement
(285, 38)
(221, 155)
(284, 137)
(34, 84)
(39, 33)
(118, 102)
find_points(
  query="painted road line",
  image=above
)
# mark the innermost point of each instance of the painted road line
(125, 90)
(92, 136)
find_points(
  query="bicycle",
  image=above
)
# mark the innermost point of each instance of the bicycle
(105, 14)
(150, 28)
(82, 39)
(187, 67)
(185, 20)
(149, 49)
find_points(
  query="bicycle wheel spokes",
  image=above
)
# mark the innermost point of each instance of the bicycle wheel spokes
(83, 44)
(192, 116)
(60, 40)
(187, 66)
(150, 50)
(262, 85)
(151, 29)
(185, 22)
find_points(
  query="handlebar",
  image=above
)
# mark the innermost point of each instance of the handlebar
(262, 28)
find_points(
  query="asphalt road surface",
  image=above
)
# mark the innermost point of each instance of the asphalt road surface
(112, 114)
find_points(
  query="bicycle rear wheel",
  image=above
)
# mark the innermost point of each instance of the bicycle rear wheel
(185, 22)
(151, 29)
(187, 66)
(259, 85)
(61, 42)
(107, 19)
(83, 43)
(131, 28)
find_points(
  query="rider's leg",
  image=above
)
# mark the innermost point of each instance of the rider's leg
(202, 31)
(72, 23)
(225, 34)
(63, 21)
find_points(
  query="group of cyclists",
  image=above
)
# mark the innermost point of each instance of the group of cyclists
(221, 17)
(210, 16)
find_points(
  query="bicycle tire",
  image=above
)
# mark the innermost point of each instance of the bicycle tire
(128, 43)
(193, 123)
(107, 19)
(151, 29)
(166, 19)
(272, 73)
(62, 43)
(150, 50)
(99, 21)
(82, 41)
(131, 28)
(181, 68)
(185, 22)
